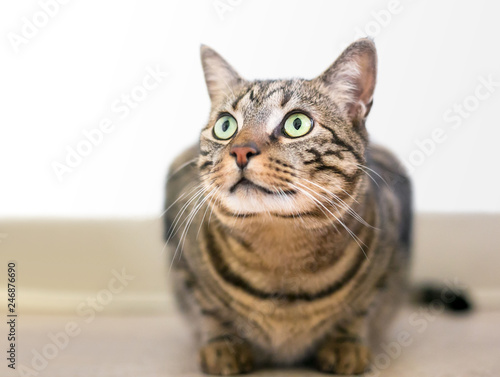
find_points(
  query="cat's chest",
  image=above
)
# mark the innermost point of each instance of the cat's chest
(287, 337)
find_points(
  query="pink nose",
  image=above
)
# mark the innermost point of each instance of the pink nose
(243, 153)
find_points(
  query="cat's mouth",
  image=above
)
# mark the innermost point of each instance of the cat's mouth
(246, 184)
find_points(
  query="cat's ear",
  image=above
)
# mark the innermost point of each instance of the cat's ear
(351, 78)
(220, 77)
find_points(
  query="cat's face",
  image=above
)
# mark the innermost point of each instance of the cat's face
(286, 148)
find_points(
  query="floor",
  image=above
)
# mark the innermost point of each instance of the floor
(431, 344)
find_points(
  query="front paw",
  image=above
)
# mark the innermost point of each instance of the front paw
(343, 357)
(226, 357)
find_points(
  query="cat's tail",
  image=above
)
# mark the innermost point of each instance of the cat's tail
(456, 300)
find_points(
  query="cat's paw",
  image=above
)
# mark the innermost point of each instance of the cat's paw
(226, 357)
(346, 357)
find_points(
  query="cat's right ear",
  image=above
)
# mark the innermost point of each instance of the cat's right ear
(220, 77)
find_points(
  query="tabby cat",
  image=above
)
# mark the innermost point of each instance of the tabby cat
(289, 232)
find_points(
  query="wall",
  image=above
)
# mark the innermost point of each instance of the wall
(73, 74)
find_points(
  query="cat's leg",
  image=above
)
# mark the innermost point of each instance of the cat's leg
(223, 352)
(345, 350)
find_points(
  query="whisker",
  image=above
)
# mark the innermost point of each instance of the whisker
(315, 202)
(343, 204)
(183, 209)
(177, 218)
(351, 233)
(182, 167)
(190, 218)
(375, 172)
(179, 198)
(203, 218)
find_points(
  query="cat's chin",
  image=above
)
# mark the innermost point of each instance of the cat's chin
(246, 186)
(253, 201)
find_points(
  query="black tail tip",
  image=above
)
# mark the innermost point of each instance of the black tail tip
(456, 300)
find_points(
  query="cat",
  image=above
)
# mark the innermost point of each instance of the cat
(289, 231)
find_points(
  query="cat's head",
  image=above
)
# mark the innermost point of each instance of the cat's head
(287, 148)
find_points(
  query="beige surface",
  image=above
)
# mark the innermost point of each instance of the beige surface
(160, 346)
(67, 266)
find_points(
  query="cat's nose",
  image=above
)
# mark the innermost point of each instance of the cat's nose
(243, 153)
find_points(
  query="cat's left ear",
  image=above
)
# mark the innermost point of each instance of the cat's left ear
(220, 77)
(351, 79)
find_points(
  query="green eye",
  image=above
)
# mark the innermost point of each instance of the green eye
(225, 127)
(297, 125)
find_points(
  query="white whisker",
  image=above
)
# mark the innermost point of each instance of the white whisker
(179, 198)
(182, 167)
(351, 233)
(343, 204)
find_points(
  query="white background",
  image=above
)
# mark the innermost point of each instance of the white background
(65, 79)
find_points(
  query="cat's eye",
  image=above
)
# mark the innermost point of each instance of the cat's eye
(297, 125)
(225, 127)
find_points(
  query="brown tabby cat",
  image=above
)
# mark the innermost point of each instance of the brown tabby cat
(290, 230)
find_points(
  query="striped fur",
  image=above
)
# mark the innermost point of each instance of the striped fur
(308, 261)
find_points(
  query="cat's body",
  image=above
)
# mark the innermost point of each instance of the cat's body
(289, 247)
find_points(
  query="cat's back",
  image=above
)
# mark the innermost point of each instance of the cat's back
(384, 161)
(392, 183)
